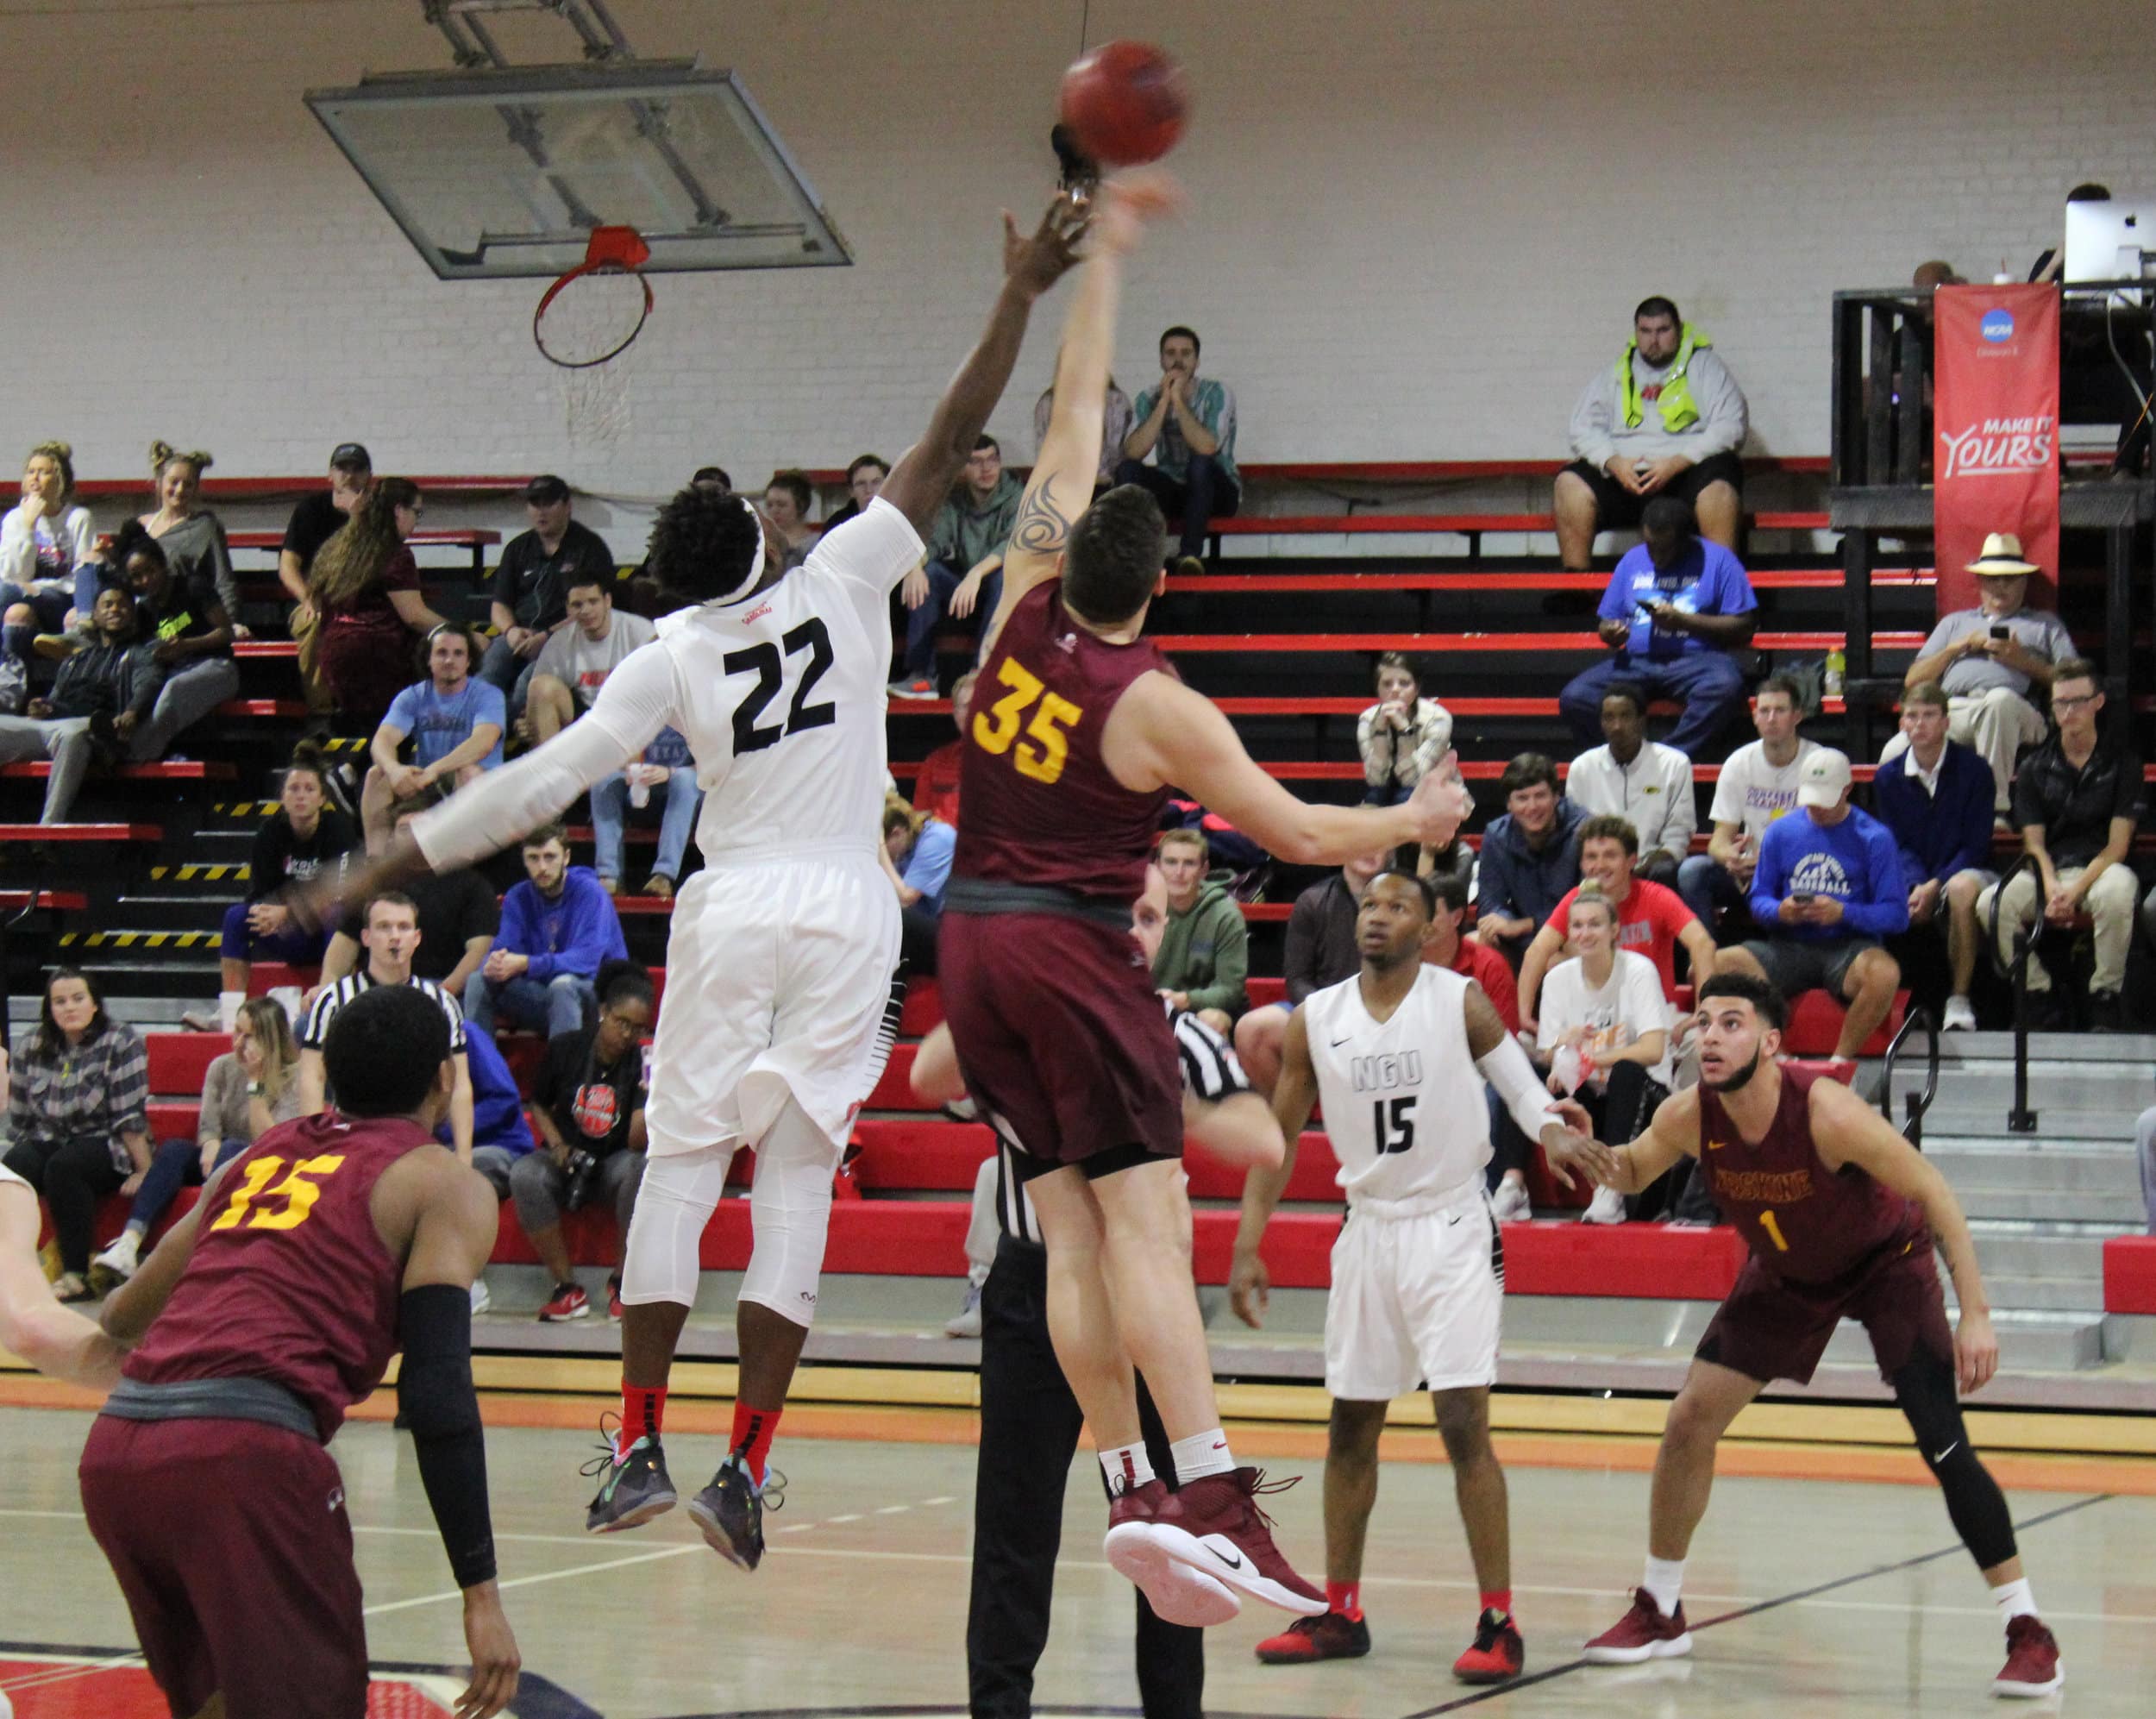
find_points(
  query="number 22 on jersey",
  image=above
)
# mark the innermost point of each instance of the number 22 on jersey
(1046, 749)
(298, 1191)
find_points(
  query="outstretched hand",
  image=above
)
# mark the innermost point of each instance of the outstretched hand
(1440, 803)
(1122, 206)
(1036, 263)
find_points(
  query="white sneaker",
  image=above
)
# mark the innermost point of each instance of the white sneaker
(1960, 1018)
(966, 1322)
(1510, 1204)
(1606, 1207)
(480, 1299)
(121, 1259)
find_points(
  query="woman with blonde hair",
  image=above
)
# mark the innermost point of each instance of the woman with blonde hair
(44, 538)
(365, 586)
(192, 536)
(248, 1090)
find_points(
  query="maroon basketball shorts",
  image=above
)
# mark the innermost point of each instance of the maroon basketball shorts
(1767, 1329)
(232, 1546)
(1059, 1032)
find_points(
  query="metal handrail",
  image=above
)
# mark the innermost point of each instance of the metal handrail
(7, 998)
(1913, 1128)
(2020, 1120)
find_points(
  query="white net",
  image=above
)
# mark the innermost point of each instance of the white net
(587, 329)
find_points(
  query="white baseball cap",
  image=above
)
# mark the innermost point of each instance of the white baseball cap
(1822, 778)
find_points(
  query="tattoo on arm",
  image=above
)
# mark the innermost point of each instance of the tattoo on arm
(1041, 529)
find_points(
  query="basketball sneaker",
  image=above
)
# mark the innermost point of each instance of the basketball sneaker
(913, 691)
(1641, 1634)
(2031, 1661)
(1497, 1655)
(1510, 1204)
(1177, 1593)
(613, 1299)
(1333, 1636)
(1215, 1524)
(569, 1302)
(633, 1487)
(730, 1511)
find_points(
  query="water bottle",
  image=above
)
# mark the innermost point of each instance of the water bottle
(640, 789)
(1837, 664)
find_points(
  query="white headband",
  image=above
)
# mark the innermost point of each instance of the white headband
(756, 561)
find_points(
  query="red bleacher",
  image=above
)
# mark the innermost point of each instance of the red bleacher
(2129, 1273)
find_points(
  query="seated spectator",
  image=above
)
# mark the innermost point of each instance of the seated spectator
(364, 586)
(295, 844)
(1667, 418)
(935, 788)
(920, 848)
(190, 632)
(1188, 426)
(1531, 856)
(665, 765)
(44, 538)
(557, 926)
(77, 1116)
(1675, 609)
(864, 481)
(1115, 427)
(963, 576)
(2077, 800)
(454, 721)
(530, 599)
(1827, 890)
(192, 536)
(104, 693)
(1603, 1038)
(250, 1089)
(788, 500)
(579, 656)
(1402, 736)
(588, 1099)
(1990, 659)
(1651, 920)
(1641, 780)
(1936, 801)
(1321, 951)
(1204, 961)
(317, 518)
(458, 915)
(1757, 785)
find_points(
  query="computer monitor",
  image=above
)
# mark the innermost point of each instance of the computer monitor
(2111, 240)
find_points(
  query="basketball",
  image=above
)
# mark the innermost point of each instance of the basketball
(1127, 101)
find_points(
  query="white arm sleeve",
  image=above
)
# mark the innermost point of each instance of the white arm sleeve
(635, 704)
(1508, 1069)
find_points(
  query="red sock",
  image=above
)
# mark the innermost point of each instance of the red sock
(1498, 1599)
(1346, 1599)
(753, 1432)
(642, 1408)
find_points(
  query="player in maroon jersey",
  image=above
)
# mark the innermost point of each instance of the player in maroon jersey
(1840, 1214)
(1078, 727)
(331, 1244)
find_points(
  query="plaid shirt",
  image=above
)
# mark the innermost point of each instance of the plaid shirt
(101, 1086)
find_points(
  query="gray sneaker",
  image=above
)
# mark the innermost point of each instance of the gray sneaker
(966, 1322)
(730, 1511)
(632, 1490)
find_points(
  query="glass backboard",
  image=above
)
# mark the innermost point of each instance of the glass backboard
(504, 173)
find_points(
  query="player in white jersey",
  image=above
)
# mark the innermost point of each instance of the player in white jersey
(781, 951)
(1399, 1054)
(57, 1340)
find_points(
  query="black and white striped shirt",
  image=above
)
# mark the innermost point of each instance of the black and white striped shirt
(1211, 1073)
(336, 997)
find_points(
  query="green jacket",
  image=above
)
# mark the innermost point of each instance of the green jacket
(1207, 951)
(966, 532)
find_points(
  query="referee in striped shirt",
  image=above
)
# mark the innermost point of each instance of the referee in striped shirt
(1030, 1421)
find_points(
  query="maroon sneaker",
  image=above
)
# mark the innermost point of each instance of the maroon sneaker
(1177, 1594)
(1641, 1634)
(1333, 1636)
(1215, 1524)
(1497, 1655)
(2031, 1661)
(613, 1299)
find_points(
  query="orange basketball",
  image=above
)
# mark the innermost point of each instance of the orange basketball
(1125, 102)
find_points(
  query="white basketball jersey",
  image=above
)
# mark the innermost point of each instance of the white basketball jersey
(1404, 1104)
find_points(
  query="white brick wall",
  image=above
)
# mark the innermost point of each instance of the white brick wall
(1416, 227)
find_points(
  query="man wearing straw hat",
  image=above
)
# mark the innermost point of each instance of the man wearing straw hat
(1990, 658)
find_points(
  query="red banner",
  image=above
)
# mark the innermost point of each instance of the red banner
(1995, 463)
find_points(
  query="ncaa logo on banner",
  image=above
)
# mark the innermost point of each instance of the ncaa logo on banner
(1997, 326)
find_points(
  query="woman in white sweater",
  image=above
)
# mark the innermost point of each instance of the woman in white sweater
(44, 538)
(1402, 736)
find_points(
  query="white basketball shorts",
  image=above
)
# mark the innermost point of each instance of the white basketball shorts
(1417, 1297)
(778, 972)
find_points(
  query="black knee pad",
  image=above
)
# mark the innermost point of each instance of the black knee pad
(1925, 1389)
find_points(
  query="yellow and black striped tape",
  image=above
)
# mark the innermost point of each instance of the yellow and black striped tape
(203, 874)
(139, 939)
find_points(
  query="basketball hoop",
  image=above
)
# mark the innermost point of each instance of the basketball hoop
(586, 320)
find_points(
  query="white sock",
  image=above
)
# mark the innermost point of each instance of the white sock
(2013, 1600)
(229, 1009)
(1202, 1454)
(1127, 1467)
(1665, 1583)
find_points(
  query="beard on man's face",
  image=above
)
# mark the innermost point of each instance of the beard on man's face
(1738, 1082)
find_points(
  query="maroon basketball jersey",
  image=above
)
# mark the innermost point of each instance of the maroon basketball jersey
(289, 1281)
(1041, 807)
(1804, 1222)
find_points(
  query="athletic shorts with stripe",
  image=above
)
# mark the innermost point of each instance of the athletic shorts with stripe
(1417, 1297)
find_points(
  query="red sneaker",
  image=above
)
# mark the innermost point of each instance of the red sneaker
(1641, 1634)
(613, 1299)
(1176, 1593)
(1215, 1524)
(2031, 1661)
(568, 1302)
(1497, 1655)
(1333, 1636)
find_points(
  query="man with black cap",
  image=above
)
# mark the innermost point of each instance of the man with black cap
(317, 518)
(531, 585)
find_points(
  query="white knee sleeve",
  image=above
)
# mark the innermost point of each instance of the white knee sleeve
(790, 1206)
(676, 1201)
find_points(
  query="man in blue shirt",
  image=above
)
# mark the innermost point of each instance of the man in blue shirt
(1829, 885)
(557, 927)
(920, 850)
(1677, 609)
(455, 722)
(1531, 856)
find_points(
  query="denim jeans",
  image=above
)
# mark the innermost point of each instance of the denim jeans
(1203, 494)
(503, 668)
(610, 817)
(557, 1005)
(921, 623)
(177, 1165)
(188, 694)
(1709, 890)
(1708, 683)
